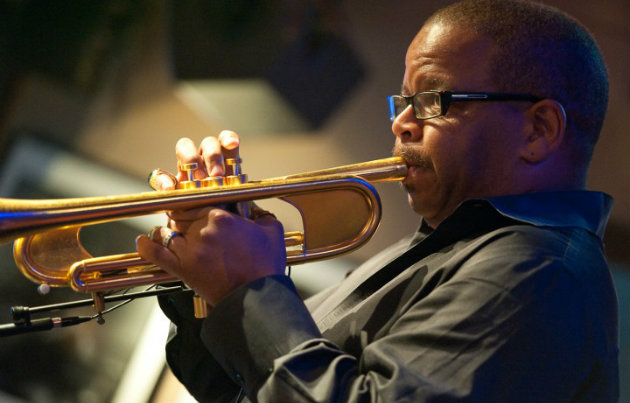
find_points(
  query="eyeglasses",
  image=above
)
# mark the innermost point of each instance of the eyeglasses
(431, 104)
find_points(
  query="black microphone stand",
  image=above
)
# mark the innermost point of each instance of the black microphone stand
(23, 323)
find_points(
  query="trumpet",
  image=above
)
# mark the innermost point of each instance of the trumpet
(339, 207)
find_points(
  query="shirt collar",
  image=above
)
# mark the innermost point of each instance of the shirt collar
(575, 208)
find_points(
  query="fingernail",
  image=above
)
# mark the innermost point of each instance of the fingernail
(229, 139)
(160, 179)
(167, 182)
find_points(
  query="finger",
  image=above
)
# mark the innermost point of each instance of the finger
(180, 226)
(163, 235)
(181, 220)
(257, 212)
(160, 179)
(189, 215)
(266, 219)
(210, 150)
(230, 142)
(187, 153)
(157, 254)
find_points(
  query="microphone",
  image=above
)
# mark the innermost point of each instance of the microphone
(37, 325)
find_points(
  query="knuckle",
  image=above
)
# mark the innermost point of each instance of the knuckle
(220, 217)
(210, 145)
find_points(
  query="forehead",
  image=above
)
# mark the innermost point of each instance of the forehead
(447, 57)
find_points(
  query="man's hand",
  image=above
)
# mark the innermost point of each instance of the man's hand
(209, 157)
(212, 250)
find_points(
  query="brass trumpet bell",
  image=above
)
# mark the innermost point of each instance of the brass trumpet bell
(339, 207)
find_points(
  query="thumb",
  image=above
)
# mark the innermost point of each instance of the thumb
(160, 179)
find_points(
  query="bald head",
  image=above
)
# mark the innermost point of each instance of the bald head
(544, 52)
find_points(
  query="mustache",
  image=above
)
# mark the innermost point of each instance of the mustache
(411, 155)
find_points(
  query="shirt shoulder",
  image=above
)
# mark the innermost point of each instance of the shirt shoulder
(525, 261)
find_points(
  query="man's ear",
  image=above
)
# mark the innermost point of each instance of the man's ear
(546, 131)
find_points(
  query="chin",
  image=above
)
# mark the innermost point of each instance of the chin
(429, 210)
(415, 205)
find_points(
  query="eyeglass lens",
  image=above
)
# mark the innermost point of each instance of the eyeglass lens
(428, 105)
(425, 104)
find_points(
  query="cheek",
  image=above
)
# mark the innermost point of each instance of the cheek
(446, 147)
(459, 153)
(484, 157)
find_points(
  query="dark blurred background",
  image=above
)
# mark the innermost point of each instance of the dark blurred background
(94, 95)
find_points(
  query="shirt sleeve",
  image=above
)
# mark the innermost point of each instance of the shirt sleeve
(471, 339)
(189, 360)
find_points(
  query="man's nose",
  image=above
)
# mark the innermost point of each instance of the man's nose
(407, 127)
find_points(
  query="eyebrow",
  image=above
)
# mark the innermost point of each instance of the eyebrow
(433, 83)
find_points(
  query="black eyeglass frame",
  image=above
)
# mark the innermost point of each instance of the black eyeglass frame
(448, 97)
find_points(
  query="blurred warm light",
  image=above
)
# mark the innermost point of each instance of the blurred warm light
(247, 106)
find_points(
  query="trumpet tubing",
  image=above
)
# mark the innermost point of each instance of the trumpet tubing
(339, 207)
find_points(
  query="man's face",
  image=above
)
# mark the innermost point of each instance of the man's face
(470, 152)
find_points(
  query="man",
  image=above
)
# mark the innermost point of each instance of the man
(503, 294)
